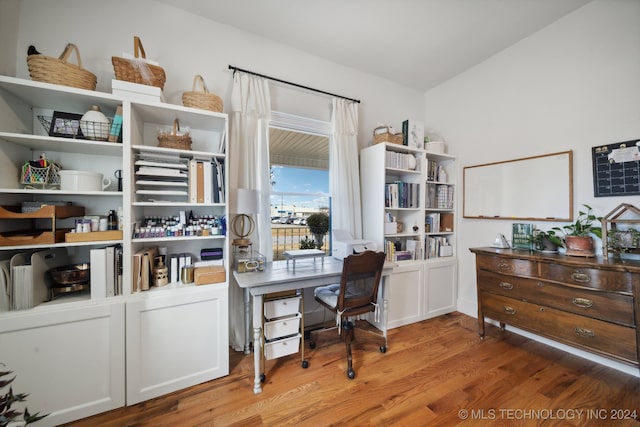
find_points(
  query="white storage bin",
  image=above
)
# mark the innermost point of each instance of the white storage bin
(282, 327)
(283, 347)
(282, 307)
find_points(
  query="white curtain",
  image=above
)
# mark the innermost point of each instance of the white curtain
(249, 168)
(344, 172)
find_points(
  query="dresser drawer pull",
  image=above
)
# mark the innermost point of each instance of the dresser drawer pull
(504, 266)
(509, 310)
(506, 285)
(584, 333)
(582, 302)
(580, 277)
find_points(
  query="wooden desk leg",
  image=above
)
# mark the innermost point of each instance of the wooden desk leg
(257, 344)
(247, 321)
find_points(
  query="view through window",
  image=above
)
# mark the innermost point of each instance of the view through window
(299, 188)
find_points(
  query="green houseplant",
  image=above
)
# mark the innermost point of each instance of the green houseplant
(547, 241)
(8, 398)
(577, 235)
(318, 224)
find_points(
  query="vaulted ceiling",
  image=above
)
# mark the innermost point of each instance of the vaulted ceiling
(417, 43)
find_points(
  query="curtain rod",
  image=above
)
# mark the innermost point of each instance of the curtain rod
(231, 67)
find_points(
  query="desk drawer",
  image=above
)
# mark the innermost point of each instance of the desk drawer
(282, 327)
(591, 334)
(282, 307)
(607, 306)
(511, 266)
(283, 347)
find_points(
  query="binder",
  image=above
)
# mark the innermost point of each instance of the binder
(98, 280)
(200, 182)
(193, 181)
(208, 182)
(110, 270)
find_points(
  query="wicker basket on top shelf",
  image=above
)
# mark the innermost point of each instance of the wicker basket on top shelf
(202, 99)
(138, 70)
(383, 134)
(175, 138)
(59, 71)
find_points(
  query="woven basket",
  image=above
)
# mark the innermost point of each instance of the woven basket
(136, 70)
(58, 71)
(202, 98)
(383, 134)
(174, 139)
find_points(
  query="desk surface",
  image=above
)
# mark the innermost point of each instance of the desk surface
(277, 275)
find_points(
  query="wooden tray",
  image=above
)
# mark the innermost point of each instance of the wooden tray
(93, 236)
(46, 211)
(32, 237)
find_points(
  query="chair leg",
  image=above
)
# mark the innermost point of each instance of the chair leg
(347, 330)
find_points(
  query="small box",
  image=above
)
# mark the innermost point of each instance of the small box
(250, 261)
(211, 274)
(208, 254)
(390, 227)
(446, 250)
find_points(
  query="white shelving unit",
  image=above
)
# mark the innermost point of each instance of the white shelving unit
(104, 353)
(425, 284)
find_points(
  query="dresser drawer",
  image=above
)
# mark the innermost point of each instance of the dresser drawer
(591, 334)
(618, 281)
(282, 327)
(282, 347)
(282, 307)
(607, 306)
(512, 266)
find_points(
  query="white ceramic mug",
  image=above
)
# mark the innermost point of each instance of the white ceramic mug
(71, 180)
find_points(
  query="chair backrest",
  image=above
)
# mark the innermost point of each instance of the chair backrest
(360, 280)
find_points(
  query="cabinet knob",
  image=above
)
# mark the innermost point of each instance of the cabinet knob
(509, 310)
(506, 285)
(582, 302)
(585, 333)
(580, 277)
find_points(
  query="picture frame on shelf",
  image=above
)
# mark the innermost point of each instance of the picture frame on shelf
(65, 125)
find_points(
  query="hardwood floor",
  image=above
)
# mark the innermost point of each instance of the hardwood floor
(435, 372)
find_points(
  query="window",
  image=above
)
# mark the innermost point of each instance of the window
(299, 153)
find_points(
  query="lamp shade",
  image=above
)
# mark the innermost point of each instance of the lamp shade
(244, 201)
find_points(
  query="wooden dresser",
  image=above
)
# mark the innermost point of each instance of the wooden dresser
(589, 303)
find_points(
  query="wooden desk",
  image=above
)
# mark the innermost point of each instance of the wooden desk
(277, 277)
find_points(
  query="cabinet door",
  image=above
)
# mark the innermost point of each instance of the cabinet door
(405, 294)
(176, 339)
(440, 287)
(69, 361)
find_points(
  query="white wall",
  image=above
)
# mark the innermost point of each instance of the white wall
(572, 86)
(186, 45)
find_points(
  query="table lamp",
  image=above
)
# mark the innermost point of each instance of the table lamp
(244, 204)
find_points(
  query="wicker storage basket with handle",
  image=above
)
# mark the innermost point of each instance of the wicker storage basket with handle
(202, 98)
(137, 70)
(59, 71)
(383, 134)
(175, 138)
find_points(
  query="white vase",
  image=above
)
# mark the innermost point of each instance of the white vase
(95, 125)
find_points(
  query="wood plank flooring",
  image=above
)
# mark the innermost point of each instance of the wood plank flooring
(436, 373)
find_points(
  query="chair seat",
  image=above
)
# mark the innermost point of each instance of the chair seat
(328, 295)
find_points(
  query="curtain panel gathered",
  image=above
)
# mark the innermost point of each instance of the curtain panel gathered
(344, 172)
(249, 168)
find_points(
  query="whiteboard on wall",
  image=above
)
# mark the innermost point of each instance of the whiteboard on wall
(530, 188)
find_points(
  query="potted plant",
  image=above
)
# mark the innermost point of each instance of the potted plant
(318, 223)
(8, 415)
(577, 235)
(547, 241)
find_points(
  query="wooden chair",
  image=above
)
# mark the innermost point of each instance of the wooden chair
(356, 294)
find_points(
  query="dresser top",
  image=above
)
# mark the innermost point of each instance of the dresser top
(577, 261)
